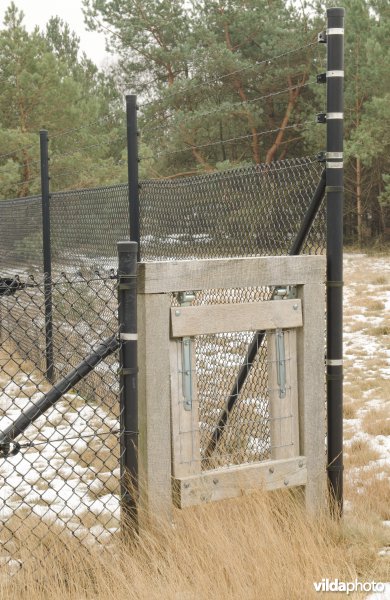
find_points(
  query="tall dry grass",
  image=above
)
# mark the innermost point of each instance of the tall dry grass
(262, 546)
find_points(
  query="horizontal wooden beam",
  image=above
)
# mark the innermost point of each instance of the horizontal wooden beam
(202, 274)
(231, 482)
(222, 318)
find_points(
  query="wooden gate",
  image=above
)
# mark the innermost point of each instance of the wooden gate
(278, 438)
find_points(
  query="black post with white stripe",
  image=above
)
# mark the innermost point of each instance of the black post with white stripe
(127, 314)
(334, 203)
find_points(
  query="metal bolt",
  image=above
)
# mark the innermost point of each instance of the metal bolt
(271, 469)
(285, 482)
(295, 306)
(177, 313)
(300, 464)
(215, 481)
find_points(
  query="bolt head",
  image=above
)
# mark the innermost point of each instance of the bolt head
(177, 313)
(285, 482)
(300, 464)
(186, 485)
(295, 306)
(271, 469)
(215, 481)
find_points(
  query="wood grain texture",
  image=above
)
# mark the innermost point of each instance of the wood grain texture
(222, 318)
(202, 274)
(311, 385)
(232, 482)
(154, 406)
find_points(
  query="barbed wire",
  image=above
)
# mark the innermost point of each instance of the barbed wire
(76, 129)
(17, 150)
(229, 140)
(22, 164)
(88, 147)
(85, 188)
(21, 183)
(231, 73)
(232, 106)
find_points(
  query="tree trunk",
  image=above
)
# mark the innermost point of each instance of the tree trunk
(359, 201)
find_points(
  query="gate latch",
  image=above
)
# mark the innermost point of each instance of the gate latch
(185, 299)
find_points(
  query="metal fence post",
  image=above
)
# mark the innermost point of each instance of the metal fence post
(334, 203)
(132, 167)
(45, 189)
(127, 314)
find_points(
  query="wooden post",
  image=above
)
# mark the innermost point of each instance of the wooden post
(311, 385)
(154, 406)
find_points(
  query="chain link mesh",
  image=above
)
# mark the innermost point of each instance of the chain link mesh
(252, 211)
(66, 474)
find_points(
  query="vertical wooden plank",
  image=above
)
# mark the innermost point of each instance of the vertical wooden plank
(185, 423)
(284, 417)
(311, 386)
(154, 406)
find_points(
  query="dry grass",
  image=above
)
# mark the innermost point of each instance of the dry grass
(379, 331)
(260, 546)
(349, 410)
(377, 422)
(369, 492)
(255, 547)
(360, 453)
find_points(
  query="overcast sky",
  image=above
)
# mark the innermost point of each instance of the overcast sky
(38, 12)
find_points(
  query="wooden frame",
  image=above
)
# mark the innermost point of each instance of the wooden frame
(161, 411)
(225, 318)
(232, 482)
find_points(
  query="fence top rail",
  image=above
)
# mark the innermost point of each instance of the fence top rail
(201, 274)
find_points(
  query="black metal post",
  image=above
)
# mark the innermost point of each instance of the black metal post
(132, 166)
(127, 314)
(41, 405)
(260, 335)
(45, 189)
(334, 292)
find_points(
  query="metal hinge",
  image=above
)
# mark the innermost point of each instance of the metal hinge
(280, 362)
(282, 293)
(285, 292)
(185, 299)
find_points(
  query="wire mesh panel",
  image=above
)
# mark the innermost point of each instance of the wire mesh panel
(20, 236)
(86, 226)
(262, 420)
(250, 211)
(64, 475)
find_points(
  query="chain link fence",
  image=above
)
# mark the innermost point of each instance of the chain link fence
(250, 211)
(66, 475)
